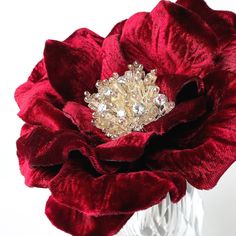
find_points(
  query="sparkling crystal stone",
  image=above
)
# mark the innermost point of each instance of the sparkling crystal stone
(97, 96)
(138, 109)
(98, 83)
(86, 93)
(107, 92)
(121, 80)
(102, 107)
(161, 99)
(138, 128)
(128, 74)
(121, 113)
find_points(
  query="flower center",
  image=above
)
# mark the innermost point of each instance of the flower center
(127, 103)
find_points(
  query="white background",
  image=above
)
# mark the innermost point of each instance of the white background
(24, 27)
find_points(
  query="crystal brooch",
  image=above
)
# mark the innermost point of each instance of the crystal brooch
(127, 103)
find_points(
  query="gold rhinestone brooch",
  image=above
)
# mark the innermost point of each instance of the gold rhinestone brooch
(127, 103)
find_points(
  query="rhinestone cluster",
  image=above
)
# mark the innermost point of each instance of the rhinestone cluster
(127, 103)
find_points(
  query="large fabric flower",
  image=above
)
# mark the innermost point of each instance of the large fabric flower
(97, 183)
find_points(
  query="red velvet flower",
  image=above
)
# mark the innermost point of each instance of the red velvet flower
(97, 183)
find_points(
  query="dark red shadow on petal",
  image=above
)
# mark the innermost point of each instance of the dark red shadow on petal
(180, 87)
(189, 91)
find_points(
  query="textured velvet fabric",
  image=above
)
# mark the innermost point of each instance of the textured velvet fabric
(97, 183)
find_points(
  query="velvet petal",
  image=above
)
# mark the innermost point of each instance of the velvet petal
(202, 166)
(43, 148)
(77, 187)
(117, 29)
(39, 72)
(229, 17)
(113, 57)
(71, 70)
(166, 40)
(227, 56)
(127, 148)
(222, 22)
(34, 176)
(215, 147)
(80, 36)
(41, 105)
(74, 40)
(79, 224)
(37, 176)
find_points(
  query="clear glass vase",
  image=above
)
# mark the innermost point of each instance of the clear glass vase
(184, 218)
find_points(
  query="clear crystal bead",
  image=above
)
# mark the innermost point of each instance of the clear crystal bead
(128, 74)
(161, 99)
(107, 91)
(97, 96)
(138, 128)
(98, 83)
(102, 107)
(121, 113)
(138, 109)
(121, 80)
(169, 106)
